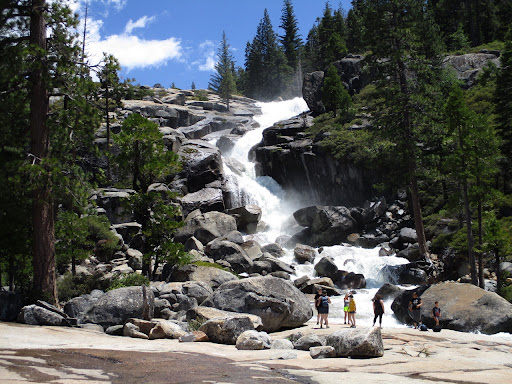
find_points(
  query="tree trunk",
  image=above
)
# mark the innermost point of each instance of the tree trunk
(469, 230)
(43, 246)
(411, 165)
(481, 280)
(498, 271)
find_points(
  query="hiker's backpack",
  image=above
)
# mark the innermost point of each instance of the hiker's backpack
(437, 328)
(423, 327)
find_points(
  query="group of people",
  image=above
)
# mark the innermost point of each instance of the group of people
(322, 302)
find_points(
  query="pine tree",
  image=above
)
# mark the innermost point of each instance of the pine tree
(405, 50)
(331, 40)
(355, 29)
(334, 95)
(290, 41)
(265, 64)
(473, 153)
(223, 81)
(48, 67)
(504, 110)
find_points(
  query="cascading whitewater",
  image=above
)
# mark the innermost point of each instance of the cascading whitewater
(247, 188)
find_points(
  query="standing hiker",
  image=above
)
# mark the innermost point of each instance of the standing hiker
(378, 309)
(415, 309)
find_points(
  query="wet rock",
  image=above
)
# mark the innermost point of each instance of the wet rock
(274, 249)
(326, 267)
(329, 225)
(304, 253)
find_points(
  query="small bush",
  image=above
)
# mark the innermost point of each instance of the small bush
(133, 279)
(201, 95)
(72, 286)
(195, 324)
(506, 293)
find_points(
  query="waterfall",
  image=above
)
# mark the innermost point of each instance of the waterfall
(247, 188)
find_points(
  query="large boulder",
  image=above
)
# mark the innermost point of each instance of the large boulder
(326, 267)
(359, 342)
(212, 276)
(329, 225)
(307, 341)
(226, 330)
(209, 313)
(230, 252)
(304, 253)
(277, 302)
(206, 200)
(202, 164)
(253, 340)
(468, 308)
(205, 227)
(247, 217)
(118, 305)
(400, 305)
(36, 315)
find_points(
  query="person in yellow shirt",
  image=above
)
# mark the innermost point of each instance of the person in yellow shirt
(352, 311)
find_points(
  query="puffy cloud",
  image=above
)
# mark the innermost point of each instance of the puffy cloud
(209, 64)
(133, 52)
(140, 23)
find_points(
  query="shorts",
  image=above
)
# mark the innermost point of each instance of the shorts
(353, 312)
(345, 309)
(416, 315)
(323, 309)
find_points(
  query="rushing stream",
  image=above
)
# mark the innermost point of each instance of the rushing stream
(276, 210)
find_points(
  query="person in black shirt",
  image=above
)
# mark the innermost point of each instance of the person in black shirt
(415, 309)
(378, 309)
(317, 295)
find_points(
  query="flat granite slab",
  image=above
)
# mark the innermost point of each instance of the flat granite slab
(71, 355)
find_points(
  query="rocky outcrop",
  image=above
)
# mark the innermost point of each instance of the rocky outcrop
(352, 73)
(298, 163)
(202, 164)
(276, 301)
(328, 225)
(468, 66)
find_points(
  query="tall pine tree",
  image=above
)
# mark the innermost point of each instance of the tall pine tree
(223, 81)
(405, 50)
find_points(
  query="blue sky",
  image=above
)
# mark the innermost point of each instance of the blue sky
(166, 41)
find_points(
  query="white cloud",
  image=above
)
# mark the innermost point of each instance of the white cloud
(209, 64)
(118, 4)
(133, 52)
(140, 23)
